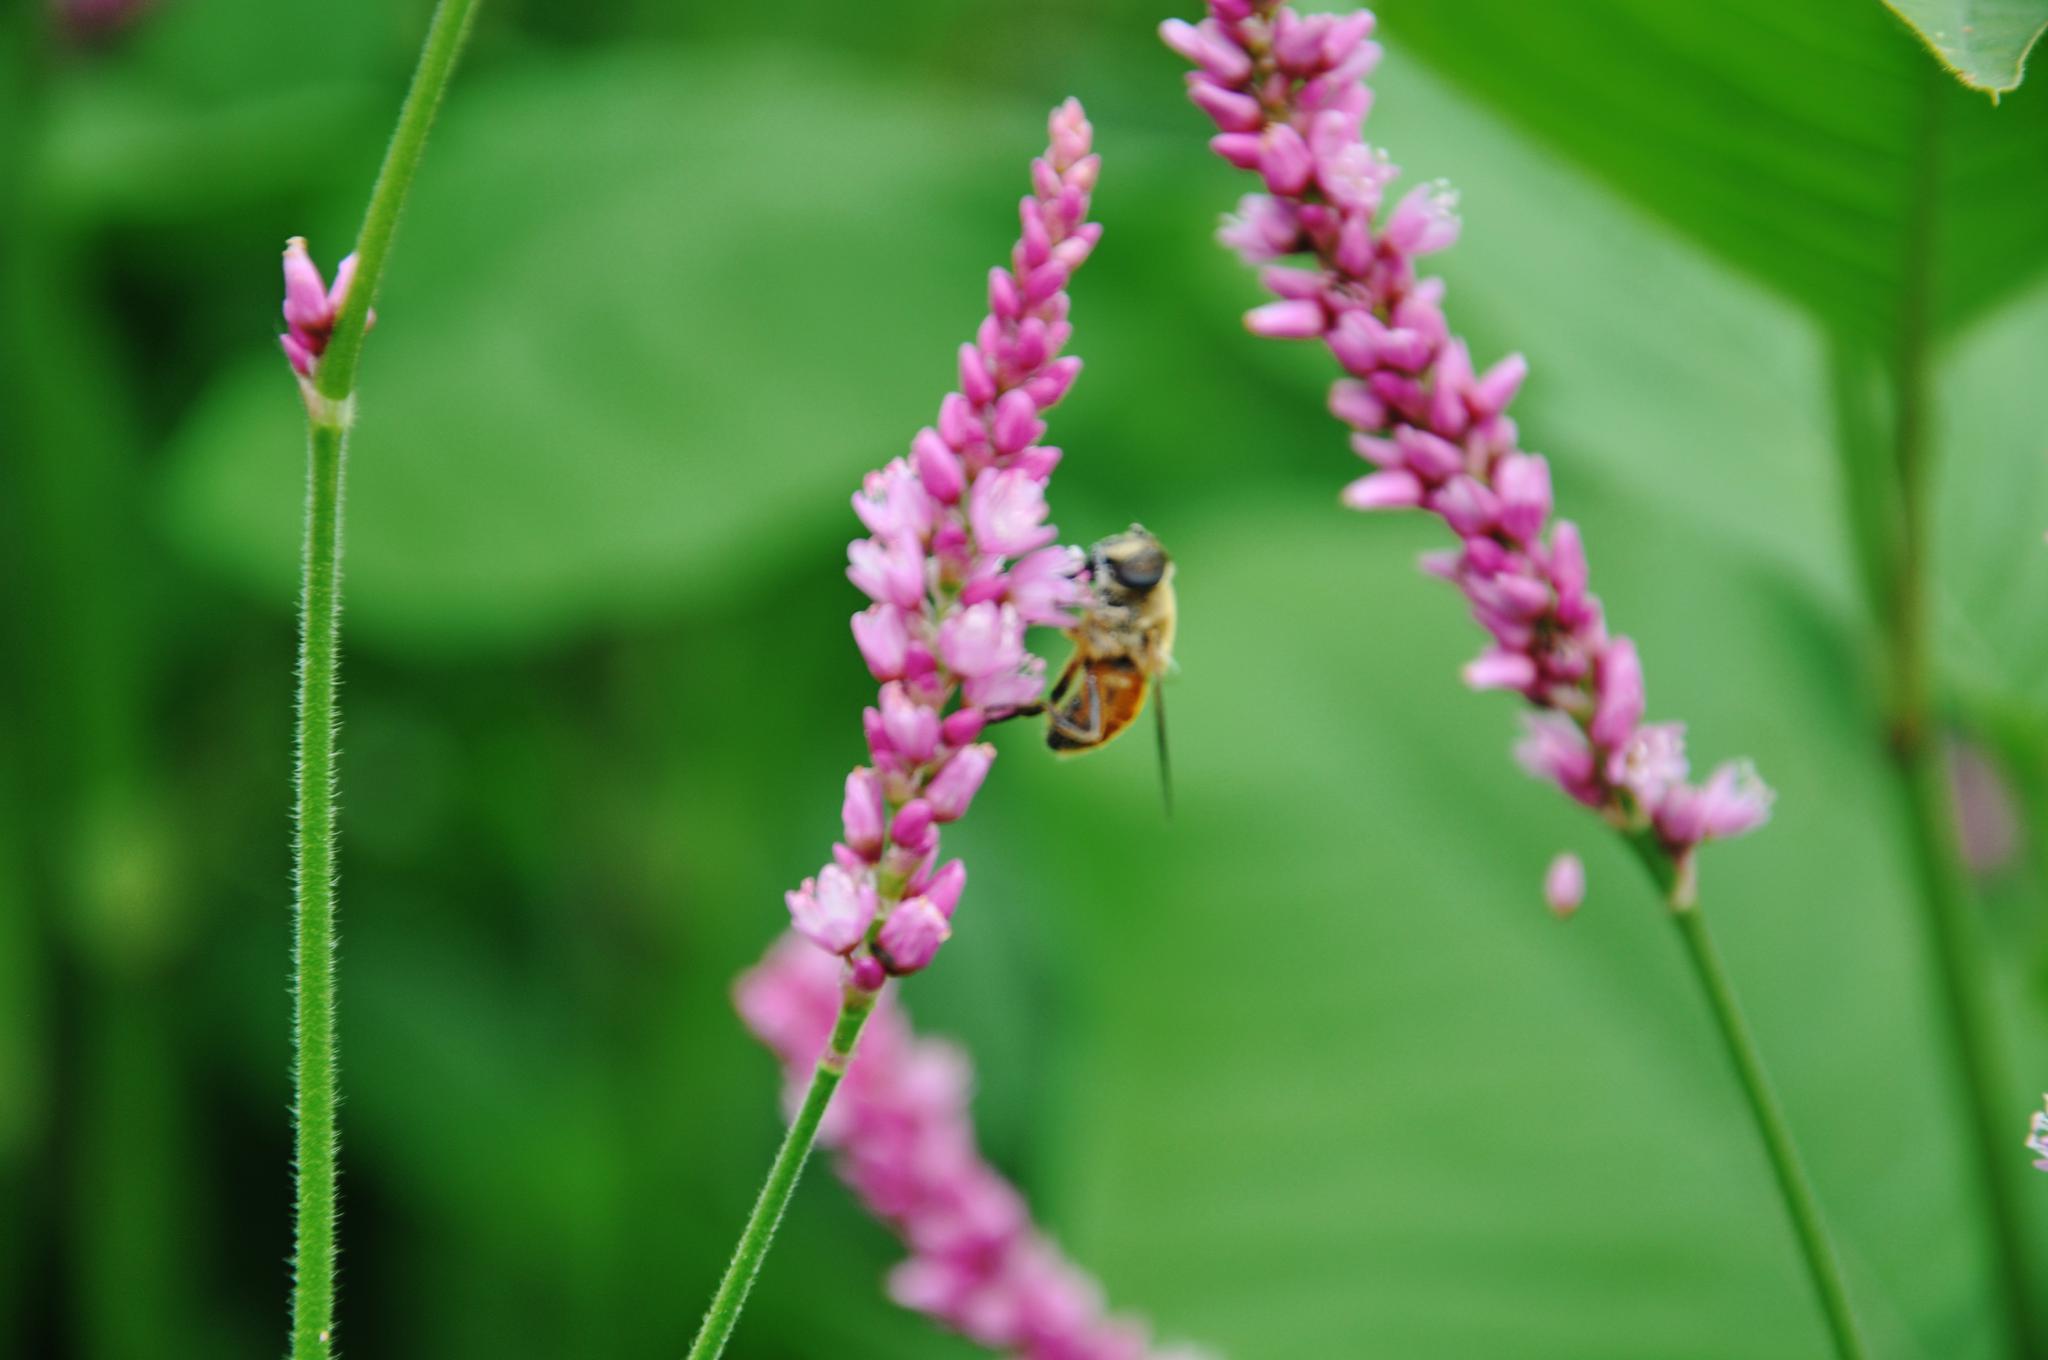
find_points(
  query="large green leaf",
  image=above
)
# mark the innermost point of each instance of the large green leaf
(1812, 144)
(1985, 42)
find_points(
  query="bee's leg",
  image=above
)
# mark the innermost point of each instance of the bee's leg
(1064, 732)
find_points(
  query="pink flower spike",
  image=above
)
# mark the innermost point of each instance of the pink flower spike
(911, 936)
(862, 814)
(834, 910)
(1564, 887)
(1293, 319)
(954, 787)
(1007, 510)
(1395, 490)
(2037, 1138)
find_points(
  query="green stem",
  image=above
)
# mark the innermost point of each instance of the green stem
(724, 1312)
(330, 409)
(335, 375)
(1794, 1188)
(313, 947)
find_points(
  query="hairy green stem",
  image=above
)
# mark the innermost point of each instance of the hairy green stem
(313, 948)
(330, 407)
(724, 1312)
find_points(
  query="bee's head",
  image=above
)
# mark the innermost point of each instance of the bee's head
(1132, 560)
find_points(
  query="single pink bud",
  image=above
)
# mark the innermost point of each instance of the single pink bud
(1564, 887)
(911, 936)
(1396, 490)
(1620, 704)
(1241, 149)
(913, 830)
(834, 910)
(938, 467)
(862, 815)
(1501, 670)
(1016, 425)
(1290, 319)
(1353, 403)
(1051, 384)
(962, 725)
(1003, 299)
(960, 423)
(1492, 393)
(1232, 110)
(867, 974)
(912, 728)
(1284, 160)
(942, 889)
(305, 292)
(1433, 459)
(1037, 462)
(953, 788)
(976, 383)
(1523, 480)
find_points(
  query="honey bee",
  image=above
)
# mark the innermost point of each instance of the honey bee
(1123, 641)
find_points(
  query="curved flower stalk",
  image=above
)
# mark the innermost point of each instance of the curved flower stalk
(958, 562)
(906, 1146)
(1288, 96)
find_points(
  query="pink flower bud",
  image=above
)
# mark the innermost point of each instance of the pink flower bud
(913, 830)
(1233, 111)
(911, 936)
(1291, 319)
(1050, 385)
(862, 814)
(956, 783)
(1015, 425)
(976, 383)
(912, 728)
(867, 974)
(1284, 161)
(1620, 704)
(1395, 490)
(1564, 886)
(942, 889)
(938, 467)
(962, 725)
(1499, 669)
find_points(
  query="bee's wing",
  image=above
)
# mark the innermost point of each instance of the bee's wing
(1165, 757)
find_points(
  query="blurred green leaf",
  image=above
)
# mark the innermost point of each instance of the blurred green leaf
(1810, 144)
(1984, 42)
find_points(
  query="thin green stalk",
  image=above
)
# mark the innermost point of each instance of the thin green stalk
(330, 409)
(313, 947)
(724, 1312)
(1801, 1205)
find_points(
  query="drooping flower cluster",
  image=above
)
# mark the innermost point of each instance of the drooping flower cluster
(959, 561)
(1288, 96)
(906, 1146)
(310, 306)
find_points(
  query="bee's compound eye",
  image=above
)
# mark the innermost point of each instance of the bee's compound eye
(1139, 571)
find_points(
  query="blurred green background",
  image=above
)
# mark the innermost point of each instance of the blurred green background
(1306, 1071)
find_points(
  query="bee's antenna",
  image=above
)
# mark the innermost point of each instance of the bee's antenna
(1165, 758)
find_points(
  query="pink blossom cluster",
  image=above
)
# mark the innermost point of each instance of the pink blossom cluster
(899, 1123)
(958, 561)
(310, 306)
(2037, 1138)
(1287, 93)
